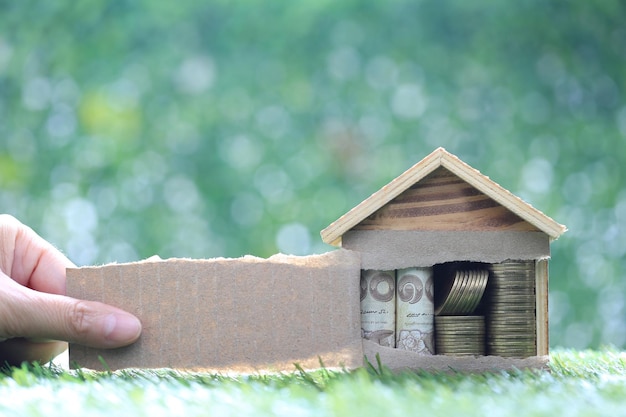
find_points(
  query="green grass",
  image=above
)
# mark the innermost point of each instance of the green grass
(580, 383)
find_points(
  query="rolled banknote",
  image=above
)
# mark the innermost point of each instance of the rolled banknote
(415, 310)
(378, 306)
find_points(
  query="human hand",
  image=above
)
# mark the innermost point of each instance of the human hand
(36, 318)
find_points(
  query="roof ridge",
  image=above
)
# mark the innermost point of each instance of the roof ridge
(440, 157)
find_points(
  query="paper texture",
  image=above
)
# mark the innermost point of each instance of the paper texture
(378, 307)
(231, 315)
(250, 315)
(415, 330)
(398, 360)
(395, 249)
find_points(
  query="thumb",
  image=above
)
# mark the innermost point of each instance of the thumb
(32, 314)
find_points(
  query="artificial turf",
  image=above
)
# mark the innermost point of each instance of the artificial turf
(579, 383)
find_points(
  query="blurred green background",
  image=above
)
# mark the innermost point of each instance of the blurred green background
(204, 129)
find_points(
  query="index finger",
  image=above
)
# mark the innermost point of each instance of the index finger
(29, 259)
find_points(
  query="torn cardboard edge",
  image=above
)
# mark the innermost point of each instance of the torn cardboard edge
(394, 360)
(245, 314)
(398, 360)
(249, 315)
(395, 249)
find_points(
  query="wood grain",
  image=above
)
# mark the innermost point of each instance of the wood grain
(444, 202)
(541, 289)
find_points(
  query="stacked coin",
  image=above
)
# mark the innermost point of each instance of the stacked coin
(461, 293)
(460, 335)
(511, 317)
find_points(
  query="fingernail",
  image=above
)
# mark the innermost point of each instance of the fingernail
(121, 327)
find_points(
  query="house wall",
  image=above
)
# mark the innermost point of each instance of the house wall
(394, 249)
(251, 314)
(226, 315)
(541, 289)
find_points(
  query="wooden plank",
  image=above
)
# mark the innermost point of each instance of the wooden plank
(541, 290)
(332, 234)
(440, 158)
(502, 196)
(444, 202)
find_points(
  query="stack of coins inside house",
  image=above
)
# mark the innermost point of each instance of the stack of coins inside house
(486, 309)
(460, 335)
(458, 330)
(511, 310)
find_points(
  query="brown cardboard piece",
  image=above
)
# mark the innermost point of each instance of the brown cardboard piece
(399, 360)
(249, 315)
(394, 249)
(230, 315)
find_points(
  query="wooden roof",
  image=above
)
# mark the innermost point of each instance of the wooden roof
(440, 158)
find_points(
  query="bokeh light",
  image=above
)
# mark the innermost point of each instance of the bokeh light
(214, 129)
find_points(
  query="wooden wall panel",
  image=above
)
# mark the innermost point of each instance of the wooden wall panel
(541, 289)
(444, 202)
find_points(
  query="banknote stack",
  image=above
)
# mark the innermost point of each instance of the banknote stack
(378, 306)
(460, 335)
(458, 331)
(415, 310)
(511, 319)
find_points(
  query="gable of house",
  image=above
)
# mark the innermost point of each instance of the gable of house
(442, 201)
(442, 193)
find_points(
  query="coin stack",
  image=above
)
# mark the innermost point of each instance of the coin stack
(457, 332)
(462, 294)
(511, 318)
(460, 335)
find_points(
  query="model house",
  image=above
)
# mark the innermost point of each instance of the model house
(442, 211)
